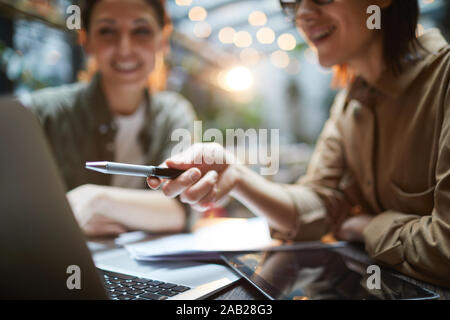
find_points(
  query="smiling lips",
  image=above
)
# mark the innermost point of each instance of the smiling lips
(125, 66)
(317, 34)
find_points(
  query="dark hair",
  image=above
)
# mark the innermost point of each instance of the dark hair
(157, 5)
(398, 26)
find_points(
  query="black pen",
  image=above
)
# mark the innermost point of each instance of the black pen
(133, 170)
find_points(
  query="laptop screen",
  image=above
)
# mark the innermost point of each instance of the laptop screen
(319, 274)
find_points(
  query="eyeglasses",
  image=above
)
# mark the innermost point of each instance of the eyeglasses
(290, 7)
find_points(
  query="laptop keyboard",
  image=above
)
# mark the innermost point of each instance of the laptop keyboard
(125, 287)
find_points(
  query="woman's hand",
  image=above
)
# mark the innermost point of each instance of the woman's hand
(210, 175)
(84, 202)
(352, 228)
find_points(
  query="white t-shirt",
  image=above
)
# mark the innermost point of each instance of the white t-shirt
(128, 148)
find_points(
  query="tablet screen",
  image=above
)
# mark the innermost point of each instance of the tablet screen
(320, 274)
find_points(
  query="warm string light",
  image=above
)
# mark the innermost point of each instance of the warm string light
(257, 18)
(197, 14)
(226, 35)
(287, 42)
(183, 2)
(202, 30)
(236, 79)
(242, 39)
(265, 35)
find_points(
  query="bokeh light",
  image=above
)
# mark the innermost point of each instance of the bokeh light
(197, 14)
(257, 18)
(183, 2)
(202, 30)
(280, 59)
(243, 39)
(226, 35)
(238, 79)
(287, 42)
(265, 35)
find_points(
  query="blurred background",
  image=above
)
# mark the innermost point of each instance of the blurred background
(241, 63)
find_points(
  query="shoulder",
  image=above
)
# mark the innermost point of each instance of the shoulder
(52, 101)
(439, 62)
(436, 76)
(171, 105)
(436, 62)
(170, 99)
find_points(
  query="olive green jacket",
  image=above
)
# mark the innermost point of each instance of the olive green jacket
(80, 128)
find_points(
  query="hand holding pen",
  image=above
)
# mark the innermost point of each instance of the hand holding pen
(208, 177)
(201, 182)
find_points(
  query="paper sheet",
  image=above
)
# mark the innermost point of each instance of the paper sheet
(207, 242)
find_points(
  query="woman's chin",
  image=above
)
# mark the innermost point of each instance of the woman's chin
(327, 62)
(128, 79)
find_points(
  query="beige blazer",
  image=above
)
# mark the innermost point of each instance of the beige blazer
(385, 150)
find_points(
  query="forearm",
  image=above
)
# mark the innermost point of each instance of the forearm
(141, 209)
(264, 198)
(412, 244)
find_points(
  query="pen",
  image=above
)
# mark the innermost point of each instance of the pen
(133, 170)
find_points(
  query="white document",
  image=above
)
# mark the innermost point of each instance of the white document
(207, 242)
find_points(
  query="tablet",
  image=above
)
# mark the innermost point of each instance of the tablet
(318, 274)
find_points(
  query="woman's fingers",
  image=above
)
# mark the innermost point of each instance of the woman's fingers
(199, 190)
(200, 208)
(207, 160)
(111, 230)
(173, 188)
(100, 225)
(154, 182)
(179, 164)
(218, 192)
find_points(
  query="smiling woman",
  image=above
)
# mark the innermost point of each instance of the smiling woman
(116, 117)
(143, 26)
(380, 173)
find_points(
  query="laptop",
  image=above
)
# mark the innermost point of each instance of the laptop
(43, 252)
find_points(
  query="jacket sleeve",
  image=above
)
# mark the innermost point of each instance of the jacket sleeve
(317, 196)
(51, 107)
(419, 245)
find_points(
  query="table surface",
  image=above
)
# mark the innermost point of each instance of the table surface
(243, 290)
